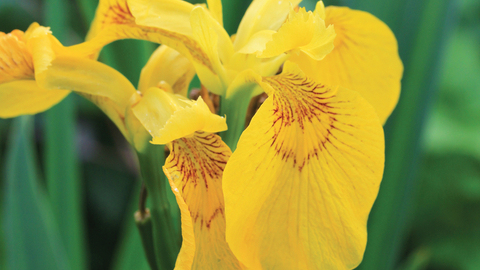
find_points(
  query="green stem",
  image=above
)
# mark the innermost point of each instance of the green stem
(145, 227)
(166, 239)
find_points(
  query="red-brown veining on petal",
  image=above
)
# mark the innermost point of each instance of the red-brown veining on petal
(16, 62)
(196, 166)
(199, 161)
(309, 111)
(117, 12)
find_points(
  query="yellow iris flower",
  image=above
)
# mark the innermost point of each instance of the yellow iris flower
(297, 191)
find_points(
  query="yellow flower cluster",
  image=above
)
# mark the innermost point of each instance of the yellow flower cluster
(297, 190)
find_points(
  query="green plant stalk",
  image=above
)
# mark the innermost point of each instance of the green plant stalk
(145, 227)
(130, 253)
(389, 219)
(32, 239)
(166, 238)
(61, 164)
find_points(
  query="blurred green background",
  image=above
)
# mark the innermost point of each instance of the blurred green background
(69, 181)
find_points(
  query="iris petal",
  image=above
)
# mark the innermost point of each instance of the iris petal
(195, 167)
(365, 59)
(300, 186)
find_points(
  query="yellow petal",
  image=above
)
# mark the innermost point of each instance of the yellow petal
(167, 66)
(213, 39)
(168, 117)
(262, 15)
(25, 97)
(215, 8)
(16, 62)
(316, 40)
(163, 21)
(365, 59)
(89, 77)
(300, 186)
(194, 168)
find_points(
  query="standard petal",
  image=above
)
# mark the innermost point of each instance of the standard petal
(195, 166)
(167, 68)
(25, 97)
(16, 62)
(365, 59)
(262, 15)
(168, 117)
(215, 8)
(300, 186)
(213, 39)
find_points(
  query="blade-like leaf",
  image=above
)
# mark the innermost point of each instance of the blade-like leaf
(30, 232)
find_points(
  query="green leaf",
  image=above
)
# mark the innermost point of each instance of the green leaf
(61, 164)
(421, 31)
(30, 232)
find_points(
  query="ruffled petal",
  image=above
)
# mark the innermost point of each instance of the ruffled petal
(300, 186)
(16, 62)
(167, 69)
(194, 168)
(25, 97)
(262, 15)
(365, 59)
(168, 117)
(316, 39)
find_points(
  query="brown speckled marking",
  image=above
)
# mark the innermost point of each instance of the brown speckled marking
(118, 13)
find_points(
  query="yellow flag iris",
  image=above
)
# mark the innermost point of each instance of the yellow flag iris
(297, 191)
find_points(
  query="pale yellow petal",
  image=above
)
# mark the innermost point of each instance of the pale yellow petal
(316, 40)
(25, 97)
(365, 59)
(167, 66)
(89, 77)
(215, 8)
(257, 42)
(262, 15)
(168, 117)
(213, 39)
(195, 165)
(320, 10)
(16, 61)
(300, 186)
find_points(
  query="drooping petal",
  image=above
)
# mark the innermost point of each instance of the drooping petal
(316, 39)
(365, 59)
(89, 77)
(300, 186)
(262, 15)
(163, 21)
(25, 97)
(15, 60)
(166, 69)
(168, 117)
(194, 168)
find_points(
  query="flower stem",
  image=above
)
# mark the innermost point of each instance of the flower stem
(166, 240)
